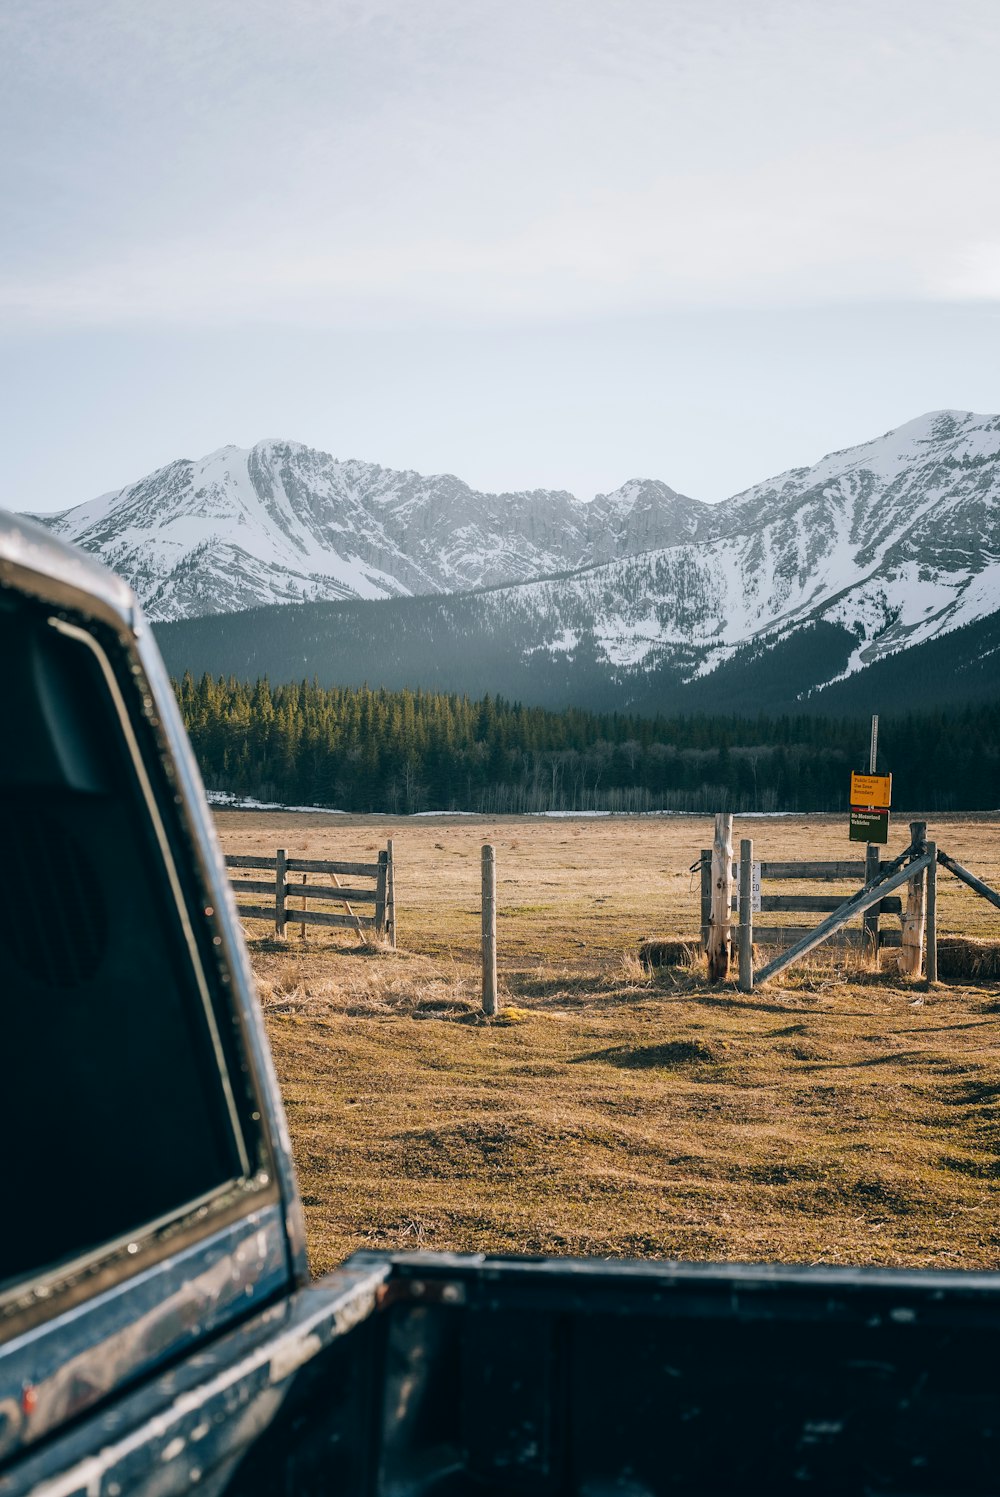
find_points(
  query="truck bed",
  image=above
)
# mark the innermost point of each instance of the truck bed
(433, 1374)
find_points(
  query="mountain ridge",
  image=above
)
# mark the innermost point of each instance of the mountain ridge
(888, 544)
(280, 522)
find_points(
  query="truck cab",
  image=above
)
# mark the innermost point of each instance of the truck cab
(159, 1331)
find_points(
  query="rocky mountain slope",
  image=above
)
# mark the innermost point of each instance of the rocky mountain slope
(283, 523)
(880, 547)
(897, 541)
(870, 552)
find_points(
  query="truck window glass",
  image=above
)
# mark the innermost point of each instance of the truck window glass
(114, 1104)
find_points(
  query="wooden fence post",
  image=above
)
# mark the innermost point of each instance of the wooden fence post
(381, 893)
(746, 915)
(390, 895)
(722, 899)
(912, 954)
(932, 973)
(870, 927)
(706, 895)
(280, 875)
(303, 932)
(489, 930)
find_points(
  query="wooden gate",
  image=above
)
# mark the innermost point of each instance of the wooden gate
(379, 892)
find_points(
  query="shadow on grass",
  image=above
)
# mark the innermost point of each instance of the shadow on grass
(520, 986)
(944, 1064)
(271, 945)
(453, 1011)
(654, 1057)
(268, 943)
(970, 1093)
(733, 999)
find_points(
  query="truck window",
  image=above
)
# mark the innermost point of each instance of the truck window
(115, 1102)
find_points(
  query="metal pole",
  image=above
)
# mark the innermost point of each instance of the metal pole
(870, 927)
(870, 935)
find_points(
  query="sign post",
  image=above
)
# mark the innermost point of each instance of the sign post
(871, 797)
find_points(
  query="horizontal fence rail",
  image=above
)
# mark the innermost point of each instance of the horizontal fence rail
(830, 871)
(380, 895)
(784, 935)
(848, 869)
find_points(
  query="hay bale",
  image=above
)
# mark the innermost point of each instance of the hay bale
(679, 951)
(962, 959)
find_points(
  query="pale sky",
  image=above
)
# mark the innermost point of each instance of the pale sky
(537, 243)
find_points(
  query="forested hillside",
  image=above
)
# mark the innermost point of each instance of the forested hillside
(405, 751)
(455, 644)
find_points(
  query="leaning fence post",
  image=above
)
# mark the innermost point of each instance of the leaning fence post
(932, 970)
(870, 928)
(280, 875)
(912, 954)
(390, 895)
(722, 898)
(706, 895)
(381, 887)
(489, 930)
(746, 915)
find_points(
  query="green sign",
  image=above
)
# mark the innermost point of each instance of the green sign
(869, 826)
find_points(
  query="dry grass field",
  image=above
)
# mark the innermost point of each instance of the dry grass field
(839, 1115)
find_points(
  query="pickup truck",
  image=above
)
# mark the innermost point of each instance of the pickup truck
(159, 1331)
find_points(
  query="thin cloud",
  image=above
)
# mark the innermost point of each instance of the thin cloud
(218, 162)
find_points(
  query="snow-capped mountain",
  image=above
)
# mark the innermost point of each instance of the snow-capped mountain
(283, 523)
(885, 546)
(897, 540)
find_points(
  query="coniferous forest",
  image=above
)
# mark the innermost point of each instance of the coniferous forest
(404, 751)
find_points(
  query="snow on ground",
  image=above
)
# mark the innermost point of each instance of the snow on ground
(227, 801)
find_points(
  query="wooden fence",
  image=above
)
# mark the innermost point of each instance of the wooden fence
(292, 900)
(870, 934)
(727, 887)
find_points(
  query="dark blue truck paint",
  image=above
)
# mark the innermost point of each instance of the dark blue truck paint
(191, 1352)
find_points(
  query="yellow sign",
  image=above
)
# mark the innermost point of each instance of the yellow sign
(871, 790)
